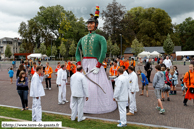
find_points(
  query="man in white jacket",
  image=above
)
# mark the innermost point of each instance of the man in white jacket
(133, 87)
(121, 96)
(37, 91)
(79, 93)
(61, 82)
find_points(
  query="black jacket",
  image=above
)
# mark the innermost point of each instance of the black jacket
(148, 66)
(18, 72)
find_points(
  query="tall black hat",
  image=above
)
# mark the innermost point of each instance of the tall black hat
(94, 18)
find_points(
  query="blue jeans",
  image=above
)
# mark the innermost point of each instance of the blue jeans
(24, 97)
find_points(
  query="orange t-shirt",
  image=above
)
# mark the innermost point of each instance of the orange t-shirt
(133, 63)
(57, 68)
(73, 68)
(126, 64)
(121, 63)
(69, 66)
(48, 70)
(113, 70)
(33, 70)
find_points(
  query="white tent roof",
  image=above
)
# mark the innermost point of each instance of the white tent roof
(154, 53)
(144, 53)
(184, 53)
(44, 55)
(35, 55)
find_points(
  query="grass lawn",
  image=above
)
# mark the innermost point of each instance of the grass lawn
(66, 121)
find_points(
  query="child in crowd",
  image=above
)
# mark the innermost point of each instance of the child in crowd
(144, 81)
(182, 84)
(11, 73)
(174, 80)
(166, 85)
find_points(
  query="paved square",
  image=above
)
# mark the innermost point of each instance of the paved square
(176, 114)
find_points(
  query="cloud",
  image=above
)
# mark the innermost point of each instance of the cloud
(13, 12)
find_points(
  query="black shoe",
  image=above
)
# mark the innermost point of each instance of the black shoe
(168, 99)
(162, 99)
(150, 82)
(185, 104)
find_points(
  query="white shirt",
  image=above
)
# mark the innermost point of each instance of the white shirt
(78, 85)
(36, 88)
(121, 88)
(133, 85)
(61, 76)
(168, 63)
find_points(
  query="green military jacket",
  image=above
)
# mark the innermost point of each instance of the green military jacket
(92, 45)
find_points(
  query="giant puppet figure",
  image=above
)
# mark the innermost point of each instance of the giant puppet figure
(94, 48)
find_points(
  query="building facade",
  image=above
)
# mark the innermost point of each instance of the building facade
(14, 44)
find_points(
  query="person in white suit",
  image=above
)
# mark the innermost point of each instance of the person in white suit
(37, 91)
(79, 93)
(133, 87)
(121, 96)
(61, 82)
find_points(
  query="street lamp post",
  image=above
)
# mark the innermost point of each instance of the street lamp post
(121, 44)
(51, 48)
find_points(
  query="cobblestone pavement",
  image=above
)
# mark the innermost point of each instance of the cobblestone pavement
(176, 114)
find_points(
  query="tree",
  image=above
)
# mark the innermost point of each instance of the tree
(62, 49)
(22, 49)
(151, 25)
(42, 48)
(185, 31)
(54, 50)
(168, 45)
(115, 50)
(8, 52)
(112, 16)
(48, 51)
(72, 49)
(137, 47)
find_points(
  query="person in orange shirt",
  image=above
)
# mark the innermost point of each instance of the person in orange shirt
(189, 84)
(68, 68)
(133, 63)
(72, 69)
(33, 70)
(58, 67)
(113, 72)
(104, 64)
(120, 62)
(48, 72)
(126, 64)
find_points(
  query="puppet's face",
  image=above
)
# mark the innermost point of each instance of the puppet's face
(91, 26)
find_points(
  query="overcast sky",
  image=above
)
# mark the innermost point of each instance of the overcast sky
(13, 12)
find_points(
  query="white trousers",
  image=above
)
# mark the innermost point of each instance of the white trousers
(122, 112)
(77, 108)
(62, 93)
(132, 103)
(36, 110)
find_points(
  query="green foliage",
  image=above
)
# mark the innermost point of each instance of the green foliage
(48, 51)
(72, 48)
(112, 16)
(151, 25)
(109, 45)
(168, 45)
(62, 49)
(137, 47)
(42, 48)
(115, 50)
(22, 49)
(185, 31)
(54, 50)
(8, 52)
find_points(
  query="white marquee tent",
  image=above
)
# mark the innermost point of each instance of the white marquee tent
(184, 53)
(35, 55)
(155, 53)
(143, 54)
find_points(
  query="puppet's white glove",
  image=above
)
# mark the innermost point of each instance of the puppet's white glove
(96, 70)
